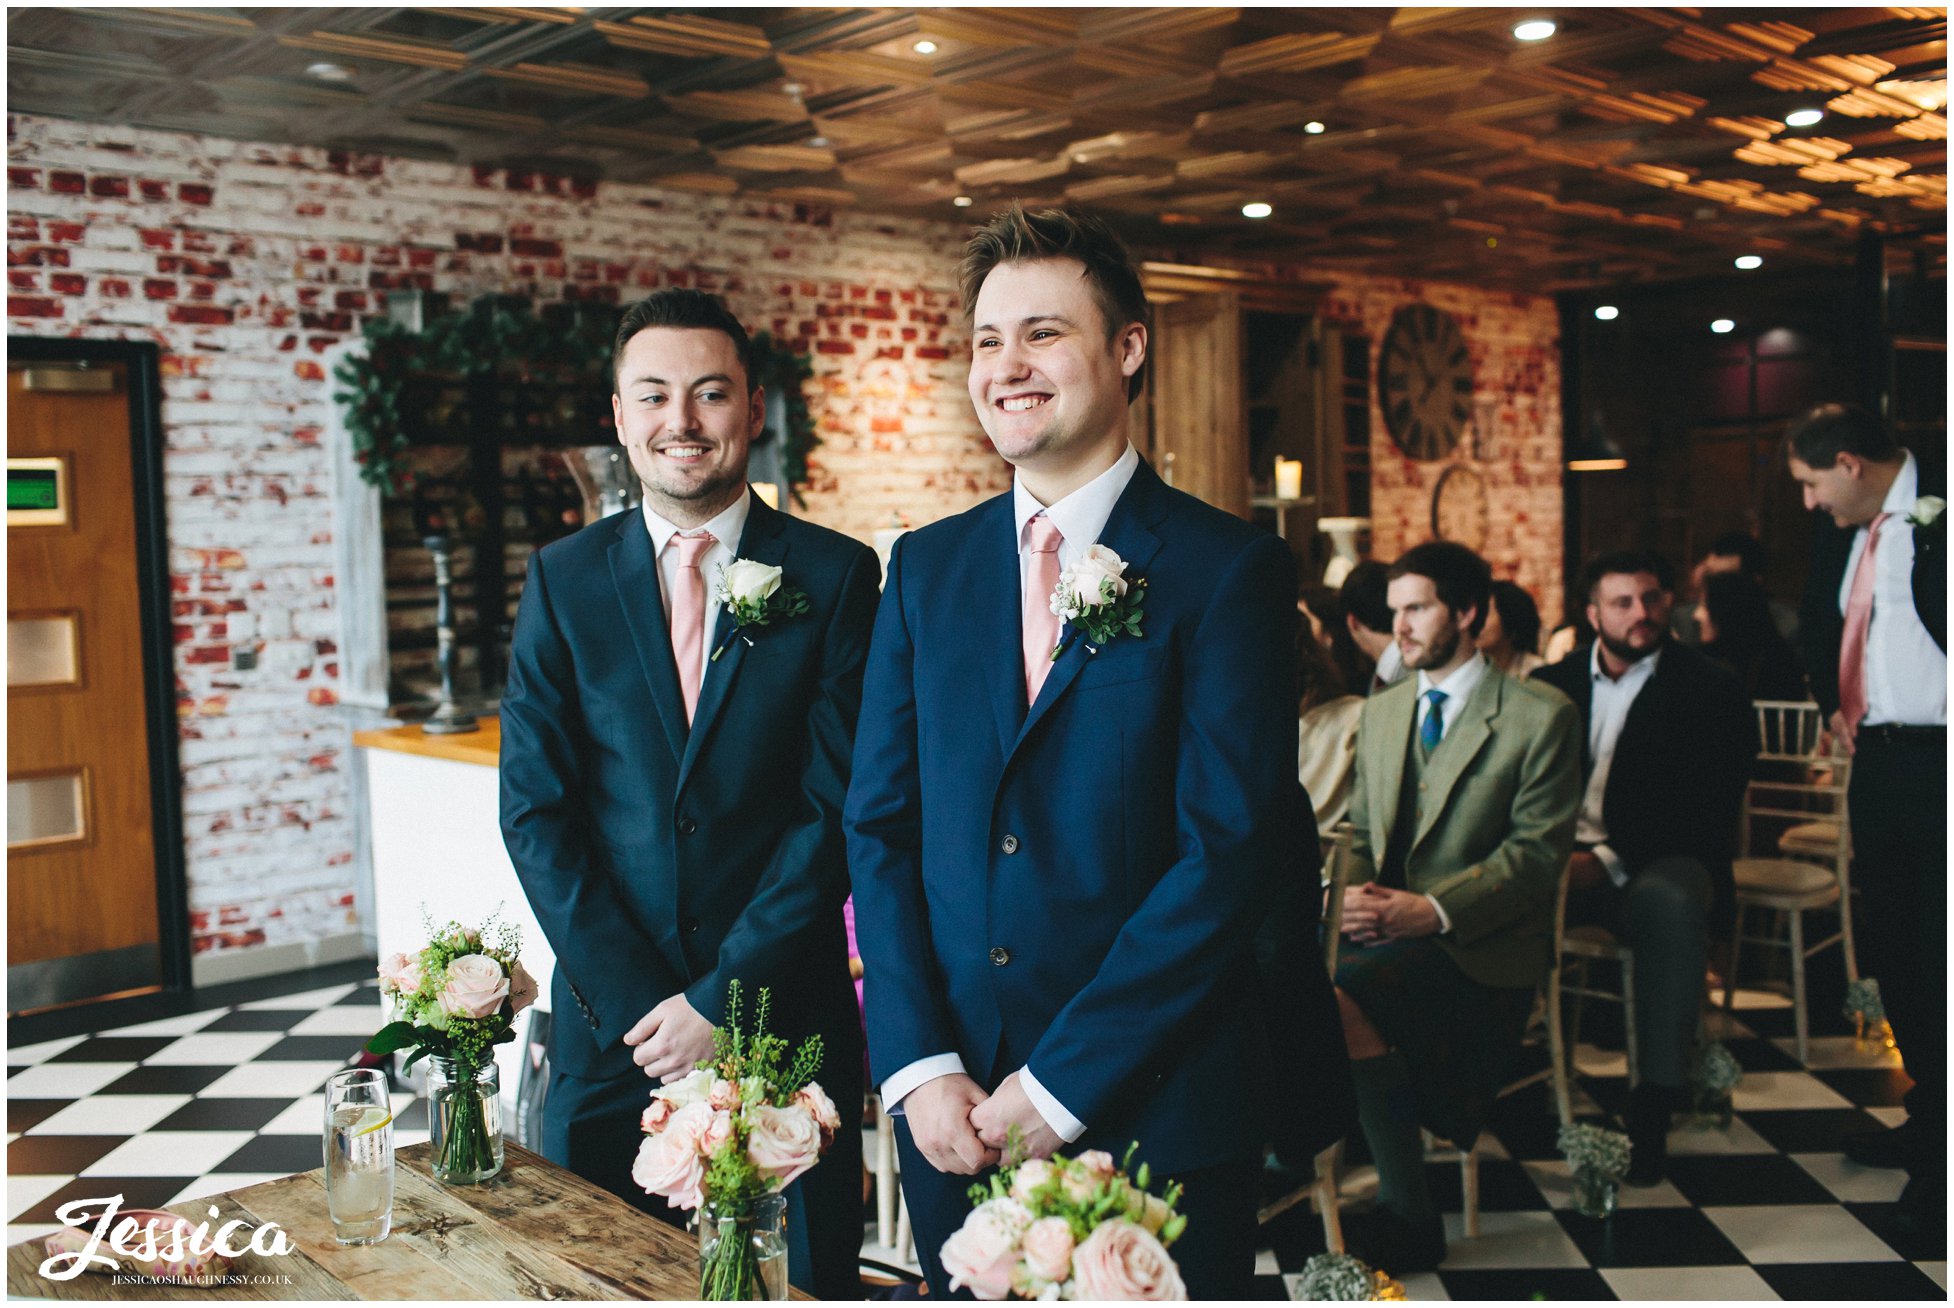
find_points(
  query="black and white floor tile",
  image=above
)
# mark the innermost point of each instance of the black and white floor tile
(1768, 1207)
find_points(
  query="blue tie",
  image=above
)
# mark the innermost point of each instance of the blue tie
(1434, 724)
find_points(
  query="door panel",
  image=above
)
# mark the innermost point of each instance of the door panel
(82, 902)
(1200, 431)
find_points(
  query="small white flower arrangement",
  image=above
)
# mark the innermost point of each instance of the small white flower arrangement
(755, 595)
(1345, 1278)
(1927, 511)
(1097, 598)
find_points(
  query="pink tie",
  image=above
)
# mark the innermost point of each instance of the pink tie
(689, 614)
(1858, 625)
(1040, 623)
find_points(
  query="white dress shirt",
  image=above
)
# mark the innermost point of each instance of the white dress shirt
(1080, 518)
(1906, 673)
(725, 529)
(1608, 711)
(1458, 688)
(1390, 668)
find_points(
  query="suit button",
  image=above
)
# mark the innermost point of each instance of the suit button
(1009, 845)
(686, 826)
(688, 925)
(1000, 955)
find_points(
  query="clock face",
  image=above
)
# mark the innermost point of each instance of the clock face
(1424, 381)
(1461, 508)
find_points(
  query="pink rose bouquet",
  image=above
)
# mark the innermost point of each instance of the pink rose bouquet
(738, 1128)
(1068, 1228)
(455, 1000)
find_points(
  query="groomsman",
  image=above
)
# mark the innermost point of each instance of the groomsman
(1064, 833)
(672, 786)
(1467, 785)
(1874, 630)
(1670, 742)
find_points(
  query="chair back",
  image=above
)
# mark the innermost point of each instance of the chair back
(1789, 731)
(1801, 775)
(1337, 860)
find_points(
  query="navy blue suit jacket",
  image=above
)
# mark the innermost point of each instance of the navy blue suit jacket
(662, 859)
(1077, 885)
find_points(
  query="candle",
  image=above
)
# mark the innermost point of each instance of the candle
(1289, 479)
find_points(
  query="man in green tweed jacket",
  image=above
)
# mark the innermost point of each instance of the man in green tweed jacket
(1464, 803)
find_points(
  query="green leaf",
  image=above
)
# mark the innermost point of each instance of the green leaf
(391, 1038)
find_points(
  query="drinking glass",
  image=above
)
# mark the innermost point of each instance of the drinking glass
(359, 1144)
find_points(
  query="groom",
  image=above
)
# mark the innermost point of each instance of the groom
(671, 791)
(1060, 861)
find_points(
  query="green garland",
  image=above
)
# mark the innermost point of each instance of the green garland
(498, 330)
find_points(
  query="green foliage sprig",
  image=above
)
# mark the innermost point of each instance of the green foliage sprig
(1591, 1148)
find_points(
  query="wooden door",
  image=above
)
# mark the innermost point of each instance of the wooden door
(81, 886)
(1200, 429)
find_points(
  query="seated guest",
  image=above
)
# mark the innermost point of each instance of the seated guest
(1367, 617)
(1740, 553)
(1568, 637)
(1322, 607)
(1736, 629)
(1510, 640)
(1670, 741)
(1466, 787)
(1326, 732)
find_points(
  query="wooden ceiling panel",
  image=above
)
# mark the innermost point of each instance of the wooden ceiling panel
(1634, 143)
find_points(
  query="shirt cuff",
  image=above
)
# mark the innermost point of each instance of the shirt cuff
(1444, 918)
(1068, 1127)
(897, 1087)
(1612, 863)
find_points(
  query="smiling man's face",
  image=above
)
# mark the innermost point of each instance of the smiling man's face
(1047, 377)
(686, 418)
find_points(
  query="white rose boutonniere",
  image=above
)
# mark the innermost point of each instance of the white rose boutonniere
(755, 595)
(1096, 597)
(1927, 511)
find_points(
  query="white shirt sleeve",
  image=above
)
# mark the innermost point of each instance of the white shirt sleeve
(1069, 1128)
(1444, 919)
(1612, 863)
(897, 1087)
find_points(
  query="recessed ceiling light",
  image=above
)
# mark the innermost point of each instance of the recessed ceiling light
(1750, 261)
(818, 142)
(1535, 29)
(1492, 242)
(1607, 312)
(962, 202)
(1313, 128)
(1803, 117)
(329, 72)
(1257, 210)
(1722, 326)
(924, 47)
(792, 90)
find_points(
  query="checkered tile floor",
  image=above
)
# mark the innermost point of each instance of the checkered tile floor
(1768, 1208)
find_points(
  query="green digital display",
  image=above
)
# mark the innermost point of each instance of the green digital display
(33, 488)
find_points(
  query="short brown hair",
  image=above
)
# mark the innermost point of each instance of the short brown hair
(1463, 579)
(1015, 236)
(681, 306)
(1818, 436)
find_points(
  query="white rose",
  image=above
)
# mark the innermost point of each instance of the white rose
(1031, 1174)
(1927, 510)
(692, 1088)
(980, 1257)
(476, 987)
(1098, 577)
(782, 1142)
(748, 582)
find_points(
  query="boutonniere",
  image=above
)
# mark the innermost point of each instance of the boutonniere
(1097, 597)
(1928, 511)
(753, 594)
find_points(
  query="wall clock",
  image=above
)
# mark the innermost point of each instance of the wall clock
(1461, 509)
(1424, 381)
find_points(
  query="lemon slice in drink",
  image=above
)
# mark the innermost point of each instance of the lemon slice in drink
(372, 1120)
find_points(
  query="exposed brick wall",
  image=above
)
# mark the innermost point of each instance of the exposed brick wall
(246, 262)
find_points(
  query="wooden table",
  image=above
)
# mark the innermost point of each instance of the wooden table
(533, 1232)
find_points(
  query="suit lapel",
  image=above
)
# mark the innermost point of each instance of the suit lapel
(763, 541)
(996, 622)
(1461, 745)
(1395, 712)
(1128, 533)
(634, 572)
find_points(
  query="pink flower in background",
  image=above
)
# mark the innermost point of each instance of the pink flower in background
(522, 989)
(400, 974)
(670, 1163)
(1122, 1261)
(724, 1094)
(982, 1254)
(1098, 1162)
(821, 1108)
(1031, 1174)
(1048, 1249)
(782, 1142)
(476, 987)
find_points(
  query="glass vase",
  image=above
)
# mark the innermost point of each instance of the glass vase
(1594, 1192)
(464, 1121)
(1713, 1108)
(743, 1249)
